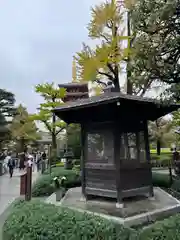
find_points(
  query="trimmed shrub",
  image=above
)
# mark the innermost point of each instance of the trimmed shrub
(77, 169)
(161, 161)
(60, 164)
(35, 220)
(44, 185)
(76, 162)
(168, 229)
(176, 185)
(161, 180)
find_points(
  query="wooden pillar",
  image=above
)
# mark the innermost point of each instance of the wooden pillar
(138, 146)
(148, 156)
(84, 150)
(28, 184)
(117, 145)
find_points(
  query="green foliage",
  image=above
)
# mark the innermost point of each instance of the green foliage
(22, 128)
(163, 156)
(168, 229)
(176, 119)
(60, 164)
(49, 92)
(164, 163)
(156, 45)
(35, 220)
(44, 185)
(7, 101)
(74, 139)
(161, 180)
(4, 131)
(163, 151)
(103, 62)
(77, 169)
(176, 185)
(7, 109)
(53, 98)
(162, 131)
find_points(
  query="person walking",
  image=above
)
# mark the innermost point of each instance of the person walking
(38, 161)
(30, 161)
(43, 164)
(11, 165)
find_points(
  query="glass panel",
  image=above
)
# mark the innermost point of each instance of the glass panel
(132, 145)
(100, 147)
(128, 146)
(142, 147)
(96, 145)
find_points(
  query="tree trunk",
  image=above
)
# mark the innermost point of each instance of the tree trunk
(22, 145)
(158, 147)
(54, 143)
(116, 84)
(129, 83)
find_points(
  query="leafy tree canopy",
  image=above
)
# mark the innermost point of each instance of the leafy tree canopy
(22, 127)
(7, 110)
(7, 101)
(102, 63)
(52, 98)
(113, 51)
(156, 46)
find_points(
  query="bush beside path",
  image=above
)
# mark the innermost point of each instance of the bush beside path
(9, 192)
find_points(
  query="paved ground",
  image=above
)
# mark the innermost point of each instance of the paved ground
(9, 191)
(10, 188)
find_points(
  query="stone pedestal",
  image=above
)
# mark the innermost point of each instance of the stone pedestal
(58, 195)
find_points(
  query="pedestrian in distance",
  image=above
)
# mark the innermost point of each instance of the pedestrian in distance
(11, 165)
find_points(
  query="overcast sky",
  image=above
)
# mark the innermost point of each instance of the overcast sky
(38, 41)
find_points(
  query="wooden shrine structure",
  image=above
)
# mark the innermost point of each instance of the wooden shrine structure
(115, 146)
(75, 91)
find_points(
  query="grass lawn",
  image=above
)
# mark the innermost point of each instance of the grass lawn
(163, 150)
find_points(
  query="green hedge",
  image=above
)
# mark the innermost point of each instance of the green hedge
(168, 229)
(176, 185)
(161, 180)
(162, 160)
(35, 221)
(44, 185)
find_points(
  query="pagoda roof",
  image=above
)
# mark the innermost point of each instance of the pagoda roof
(105, 107)
(73, 84)
(76, 94)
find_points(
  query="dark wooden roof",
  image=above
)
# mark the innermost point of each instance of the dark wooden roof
(76, 94)
(105, 106)
(72, 85)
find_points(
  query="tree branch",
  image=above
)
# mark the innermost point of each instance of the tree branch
(107, 75)
(103, 36)
(100, 82)
(60, 130)
(48, 126)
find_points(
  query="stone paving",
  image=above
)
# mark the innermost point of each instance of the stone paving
(10, 188)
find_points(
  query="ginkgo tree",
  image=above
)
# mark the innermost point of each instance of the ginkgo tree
(22, 129)
(103, 63)
(52, 96)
